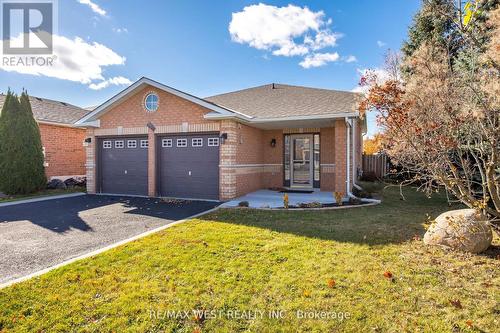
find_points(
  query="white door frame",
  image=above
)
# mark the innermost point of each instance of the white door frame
(311, 160)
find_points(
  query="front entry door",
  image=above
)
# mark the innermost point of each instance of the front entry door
(301, 161)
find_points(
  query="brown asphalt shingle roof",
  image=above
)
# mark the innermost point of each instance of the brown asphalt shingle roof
(287, 101)
(53, 111)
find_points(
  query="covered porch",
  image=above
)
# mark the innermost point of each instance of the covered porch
(274, 199)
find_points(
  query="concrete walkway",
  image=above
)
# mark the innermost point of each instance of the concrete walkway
(274, 199)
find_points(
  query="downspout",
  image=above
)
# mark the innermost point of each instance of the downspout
(354, 169)
(348, 157)
(349, 128)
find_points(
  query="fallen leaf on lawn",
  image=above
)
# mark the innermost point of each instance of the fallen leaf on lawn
(469, 323)
(307, 293)
(197, 330)
(388, 274)
(331, 283)
(456, 303)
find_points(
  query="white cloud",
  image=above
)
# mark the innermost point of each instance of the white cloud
(318, 59)
(95, 7)
(283, 31)
(322, 39)
(115, 81)
(381, 43)
(376, 75)
(120, 30)
(74, 60)
(350, 58)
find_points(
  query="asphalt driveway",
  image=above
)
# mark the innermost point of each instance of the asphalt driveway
(37, 235)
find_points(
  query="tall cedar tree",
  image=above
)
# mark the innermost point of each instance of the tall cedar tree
(21, 156)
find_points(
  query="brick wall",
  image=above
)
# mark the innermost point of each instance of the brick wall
(64, 151)
(172, 110)
(247, 160)
(273, 156)
(340, 157)
(90, 162)
(266, 171)
(249, 151)
(227, 153)
(327, 158)
(174, 114)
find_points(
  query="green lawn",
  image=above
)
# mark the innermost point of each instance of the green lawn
(42, 193)
(248, 260)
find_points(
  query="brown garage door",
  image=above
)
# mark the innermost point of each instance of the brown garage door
(123, 165)
(189, 166)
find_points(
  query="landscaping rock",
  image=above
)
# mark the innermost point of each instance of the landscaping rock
(81, 181)
(70, 182)
(56, 184)
(76, 181)
(462, 229)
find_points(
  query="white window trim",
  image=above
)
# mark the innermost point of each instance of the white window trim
(213, 142)
(129, 144)
(193, 140)
(182, 145)
(144, 144)
(105, 144)
(157, 103)
(166, 143)
(120, 142)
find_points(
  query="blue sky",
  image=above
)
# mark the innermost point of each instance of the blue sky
(188, 45)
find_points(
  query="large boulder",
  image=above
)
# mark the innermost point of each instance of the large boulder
(462, 229)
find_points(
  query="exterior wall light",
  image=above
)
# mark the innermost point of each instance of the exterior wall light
(223, 138)
(273, 142)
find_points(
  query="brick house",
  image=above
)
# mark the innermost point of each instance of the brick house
(154, 140)
(62, 142)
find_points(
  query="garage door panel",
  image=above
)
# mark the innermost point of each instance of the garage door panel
(123, 170)
(190, 171)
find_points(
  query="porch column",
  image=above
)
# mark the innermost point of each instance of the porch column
(227, 159)
(340, 156)
(151, 162)
(90, 162)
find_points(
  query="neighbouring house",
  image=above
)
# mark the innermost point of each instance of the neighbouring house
(62, 142)
(154, 140)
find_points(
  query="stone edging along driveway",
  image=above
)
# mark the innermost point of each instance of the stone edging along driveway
(41, 198)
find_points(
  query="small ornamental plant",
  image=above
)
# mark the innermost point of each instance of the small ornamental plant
(285, 200)
(338, 198)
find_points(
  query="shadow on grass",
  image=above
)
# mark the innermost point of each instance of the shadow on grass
(393, 221)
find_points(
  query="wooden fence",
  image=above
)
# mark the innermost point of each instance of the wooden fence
(378, 164)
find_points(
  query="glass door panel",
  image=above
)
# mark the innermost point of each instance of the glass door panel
(301, 161)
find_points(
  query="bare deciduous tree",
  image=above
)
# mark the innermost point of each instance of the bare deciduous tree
(441, 121)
